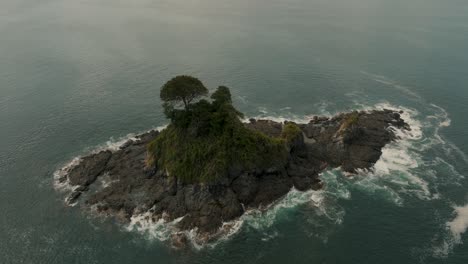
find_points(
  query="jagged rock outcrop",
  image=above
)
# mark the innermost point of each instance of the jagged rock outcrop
(351, 141)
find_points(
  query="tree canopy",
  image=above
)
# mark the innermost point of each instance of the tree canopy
(222, 95)
(182, 89)
(207, 138)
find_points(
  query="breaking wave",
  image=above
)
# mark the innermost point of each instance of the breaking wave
(453, 229)
(459, 224)
(417, 165)
(396, 175)
(403, 171)
(396, 172)
(425, 165)
(260, 220)
(61, 183)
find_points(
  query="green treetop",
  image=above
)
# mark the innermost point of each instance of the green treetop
(207, 137)
(182, 89)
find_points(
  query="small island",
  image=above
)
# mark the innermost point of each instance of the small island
(210, 164)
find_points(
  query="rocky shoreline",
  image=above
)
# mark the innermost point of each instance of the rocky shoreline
(352, 141)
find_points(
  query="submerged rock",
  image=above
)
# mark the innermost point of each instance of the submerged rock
(351, 141)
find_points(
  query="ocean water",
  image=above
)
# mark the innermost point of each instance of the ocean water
(80, 75)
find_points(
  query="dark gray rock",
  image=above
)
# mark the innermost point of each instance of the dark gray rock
(271, 187)
(245, 187)
(89, 169)
(268, 127)
(350, 140)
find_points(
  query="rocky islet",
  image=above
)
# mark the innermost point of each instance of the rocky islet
(352, 141)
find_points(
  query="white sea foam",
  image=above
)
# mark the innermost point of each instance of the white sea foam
(442, 120)
(60, 180)
(400, 170)
(114, 144)
(162, 230)
(439, 116)
(242, 99)
(262, 110)
(419, 163)
(324, 203)
(326, 211)
(444, 243)
(281, 119)
(106, 180)
(156, 229)
(396, 172)
(405, 163)
(61, 183)
(260, 219)
(459, 224)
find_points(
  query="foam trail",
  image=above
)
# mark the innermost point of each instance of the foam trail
(444, 121)
(443, 244)
(403, 169)
(162, 230)
(257, 219)
(324, 202)
(459, 224)
(441, 116)
(386, 81)
(397, 172)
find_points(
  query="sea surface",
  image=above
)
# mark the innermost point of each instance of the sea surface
(76, 75)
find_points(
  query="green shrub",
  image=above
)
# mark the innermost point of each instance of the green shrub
(205, 158)
(290, 131)
(202, 143)
(348, 121)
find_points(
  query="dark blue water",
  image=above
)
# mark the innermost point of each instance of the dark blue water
(77, 74)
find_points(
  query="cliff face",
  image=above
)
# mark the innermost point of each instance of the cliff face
(351, 141)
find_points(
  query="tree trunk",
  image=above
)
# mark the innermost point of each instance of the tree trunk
(185, 103)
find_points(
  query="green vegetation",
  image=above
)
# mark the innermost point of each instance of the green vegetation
(290, 132)
(207, 138)
(348, 121)
(182, 89)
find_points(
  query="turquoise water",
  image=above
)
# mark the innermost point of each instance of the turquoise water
(77, 74)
